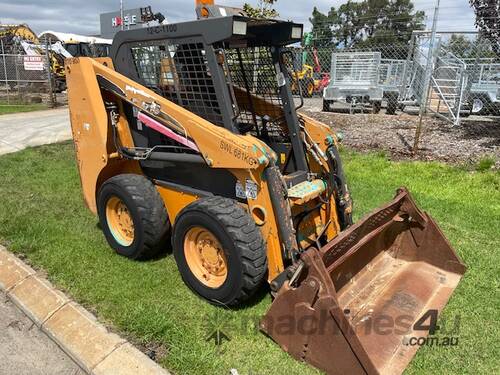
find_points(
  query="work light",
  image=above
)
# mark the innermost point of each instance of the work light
(296, 32)
(239, 28)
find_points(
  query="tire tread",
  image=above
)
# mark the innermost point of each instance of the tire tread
(246, 237)
(152, 212)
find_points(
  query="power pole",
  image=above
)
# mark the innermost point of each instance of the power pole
(428, 77)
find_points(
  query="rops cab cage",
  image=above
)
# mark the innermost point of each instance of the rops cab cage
(227, 70)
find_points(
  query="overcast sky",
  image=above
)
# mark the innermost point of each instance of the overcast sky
(82, 17)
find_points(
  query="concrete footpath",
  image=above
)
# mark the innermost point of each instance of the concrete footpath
(21, 130)
(90, 345)
(25, 349)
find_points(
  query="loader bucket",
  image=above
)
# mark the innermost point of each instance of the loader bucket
(354, 305)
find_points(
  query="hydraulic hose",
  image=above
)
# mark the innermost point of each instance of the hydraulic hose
(342, 196)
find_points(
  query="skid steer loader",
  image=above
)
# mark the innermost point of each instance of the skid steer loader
(189, 133)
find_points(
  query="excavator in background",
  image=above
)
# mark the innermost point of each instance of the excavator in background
(303, 82)
(20, 39)
(322, 79)
(79, 45)
(308, 79)
(12, 34)
(189, 134)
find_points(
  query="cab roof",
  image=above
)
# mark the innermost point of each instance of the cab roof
(231, 30)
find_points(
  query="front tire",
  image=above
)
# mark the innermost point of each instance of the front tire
(133, 216)
(219, 250)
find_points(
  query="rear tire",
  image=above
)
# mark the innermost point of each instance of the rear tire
(326, 105)
(480, 106)
(392, 105)
(133, 216)
(230, 261)
(376, 106)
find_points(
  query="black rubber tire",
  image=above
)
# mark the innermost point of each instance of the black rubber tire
(60, 85)
(485, 110)
(326, 105)
(146, 207)
(242, 243)
(392, 105)
(376, 106)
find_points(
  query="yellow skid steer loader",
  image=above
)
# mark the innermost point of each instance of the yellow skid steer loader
(189, 132)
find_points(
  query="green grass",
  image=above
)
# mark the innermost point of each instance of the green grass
(16, 108)
(42, 217)
(485, 163)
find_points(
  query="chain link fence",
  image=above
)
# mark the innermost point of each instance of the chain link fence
(26, 79)
(456, 74)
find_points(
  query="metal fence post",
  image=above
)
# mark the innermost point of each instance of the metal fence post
(52, 102)
(5, 72)
(410, 60)
(18, 81)
(427, 81)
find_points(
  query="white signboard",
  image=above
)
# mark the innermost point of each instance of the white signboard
(33, 63)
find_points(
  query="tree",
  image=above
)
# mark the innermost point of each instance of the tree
(460, 46)
(391, 21)
(348, 23)
(368, 22)
(264, 9)
(488, 20)
(321, 28)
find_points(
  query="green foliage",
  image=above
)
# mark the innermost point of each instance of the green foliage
(264, 9)
(485, 164)
(366, 23)
(488, 20)
(348, 22)
(321, 28)
(15, 108)
(459, 45)
(467, 48)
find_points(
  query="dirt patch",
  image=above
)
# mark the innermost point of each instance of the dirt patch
(473, 140)
(154, 350)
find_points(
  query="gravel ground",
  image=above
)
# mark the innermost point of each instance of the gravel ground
(476, 138)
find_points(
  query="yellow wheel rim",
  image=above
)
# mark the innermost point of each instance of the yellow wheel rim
(205, 257)
(120, 221)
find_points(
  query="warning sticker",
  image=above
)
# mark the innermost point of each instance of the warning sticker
(33, 63)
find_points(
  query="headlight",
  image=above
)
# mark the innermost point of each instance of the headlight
(296, 32)
(239, 28)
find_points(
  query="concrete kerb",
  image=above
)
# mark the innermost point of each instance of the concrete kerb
(69, 325)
